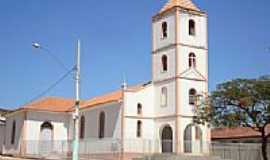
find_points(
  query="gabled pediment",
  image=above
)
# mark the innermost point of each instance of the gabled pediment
(192, 73)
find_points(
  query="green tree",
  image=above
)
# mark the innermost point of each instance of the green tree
(239, 103)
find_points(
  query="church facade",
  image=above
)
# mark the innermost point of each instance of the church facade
(155, 117)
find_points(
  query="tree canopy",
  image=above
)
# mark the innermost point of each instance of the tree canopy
(238, 103)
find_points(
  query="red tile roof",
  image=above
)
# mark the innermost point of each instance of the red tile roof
(107, 98)
(232, 133)
(110, 97)
(57, 104)
(50, 104)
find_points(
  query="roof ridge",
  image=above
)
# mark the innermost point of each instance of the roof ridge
(62, 104)
(187, 4)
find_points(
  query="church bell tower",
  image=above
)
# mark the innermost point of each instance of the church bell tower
(180, 70)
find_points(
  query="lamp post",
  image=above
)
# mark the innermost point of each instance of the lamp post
(75, 153)
(75, 116)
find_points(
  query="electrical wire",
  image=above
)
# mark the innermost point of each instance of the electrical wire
(55, 58)
(52, 86)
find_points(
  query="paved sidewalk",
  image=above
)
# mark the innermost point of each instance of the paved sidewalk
(12, 158)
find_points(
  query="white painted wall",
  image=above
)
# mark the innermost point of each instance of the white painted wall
(200, 38)
(112, 120)
(158, 74)
(158, 41)
(201, 60)
(59, 121)
(145, 97)
(170, 108)
(184, 86)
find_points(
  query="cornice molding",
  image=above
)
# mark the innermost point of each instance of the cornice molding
(159, 117)
(172, 45)
(178, 77)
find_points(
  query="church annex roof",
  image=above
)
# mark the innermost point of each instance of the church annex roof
(59, 104)
(50, 104)
(187, 4)
(110, 97)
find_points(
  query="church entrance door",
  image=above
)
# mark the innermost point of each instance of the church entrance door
(167, 140)
(46, 137)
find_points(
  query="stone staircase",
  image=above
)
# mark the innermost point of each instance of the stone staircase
(178, 157)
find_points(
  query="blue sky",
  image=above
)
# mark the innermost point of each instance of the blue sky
(116, 39)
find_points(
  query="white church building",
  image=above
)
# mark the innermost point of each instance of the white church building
(155, 117)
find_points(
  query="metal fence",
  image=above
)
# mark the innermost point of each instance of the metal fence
(89, 149)
(115, 149)
(237, 151)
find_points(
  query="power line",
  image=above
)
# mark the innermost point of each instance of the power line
(55, 58)
(52, 86)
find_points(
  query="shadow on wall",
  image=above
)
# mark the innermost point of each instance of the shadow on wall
(13, 134)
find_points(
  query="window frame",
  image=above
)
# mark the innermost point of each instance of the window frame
(139, 109)
(82, 127)
(192, 96)
(139, 129)
(192, 62)
(164, 63)
(164, 97)
(13, 132)
(191, 27)
(164, 30)
(101, 126)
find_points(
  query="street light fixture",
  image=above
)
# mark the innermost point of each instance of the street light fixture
(36, 45)
(76, 68)
(54, 57)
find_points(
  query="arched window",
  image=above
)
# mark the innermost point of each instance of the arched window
(101, 125)
(192, 27)
(82, 127)
(164, 60)
(192, 60)
(139, 108)
(164, 30)
(192, 96)
(164, 95)
(13, 132)
(46, 125)
(139, 129)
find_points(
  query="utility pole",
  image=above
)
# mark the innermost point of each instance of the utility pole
(75, 153)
